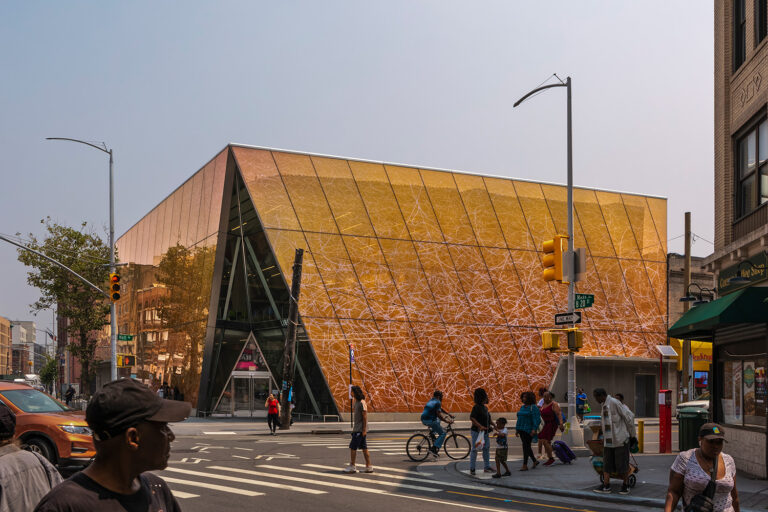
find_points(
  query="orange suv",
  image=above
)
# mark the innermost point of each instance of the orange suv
(48, 427)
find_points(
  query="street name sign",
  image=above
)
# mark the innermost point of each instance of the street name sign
(125, 337)
(568, 318)
(583, 300)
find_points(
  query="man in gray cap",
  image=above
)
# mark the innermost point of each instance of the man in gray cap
(25, 477)
(131, 434)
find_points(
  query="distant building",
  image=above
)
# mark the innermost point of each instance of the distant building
(5, 346)
(28, 356)
(700, 277)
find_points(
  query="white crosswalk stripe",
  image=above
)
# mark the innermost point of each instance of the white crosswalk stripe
(215, 487)
(183, 495)
(292, 478)
(246, 481)
(346, 477)
(410, 478)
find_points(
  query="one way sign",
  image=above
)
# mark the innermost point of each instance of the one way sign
(568, 318)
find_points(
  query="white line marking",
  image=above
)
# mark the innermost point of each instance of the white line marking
(244, 449)
(246, 481)
(182, 494)
(215, 487)
(410, 478)
(220, 433)
(241, 457)
(292, 478)
(351, 477)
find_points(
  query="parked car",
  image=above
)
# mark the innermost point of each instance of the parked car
(48, 427)
(701, 403)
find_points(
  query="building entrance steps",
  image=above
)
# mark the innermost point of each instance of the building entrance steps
(576, 480)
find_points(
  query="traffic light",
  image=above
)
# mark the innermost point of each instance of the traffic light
(550, 341)
(575, 340)
(114, 287)
(553, 259)
(126, 361)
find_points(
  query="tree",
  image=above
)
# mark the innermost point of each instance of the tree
(86, 309)
(49, 372)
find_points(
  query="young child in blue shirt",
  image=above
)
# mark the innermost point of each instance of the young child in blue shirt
(501, 447)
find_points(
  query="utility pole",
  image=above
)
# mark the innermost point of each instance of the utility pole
(289, 354)
(575, 435)
(686, 348)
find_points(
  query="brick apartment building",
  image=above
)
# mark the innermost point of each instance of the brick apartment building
(5, 346)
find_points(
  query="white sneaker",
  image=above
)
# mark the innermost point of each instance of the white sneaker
(349, 468)
(368, 469)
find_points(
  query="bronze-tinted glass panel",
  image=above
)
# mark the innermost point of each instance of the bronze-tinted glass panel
(218, 192)
(167, 221)
(658, 209)
(338, 275)
(619, 299)
(657, 275)
(376, 191)
(643, 227)
(557, 201)
(507, 283)
(618, 225)
(375, 366)
(332, 352)
(444, 283)
(373, 273)
(341, 191)
(635, 344)
(510, 368)
(447, 373)
(414, 202)
(206, 202)
(410, 366)
(194, 210)
(448, 207)
(412, 285)
(266, 188)
(537, 291)
(186, 206)
(305, 192)
(314, 298)
(472, 352)
(536, 212)
(539, 365)
(642, 295)
(508, 210)
(599, 315)
(476, 284)
(480, 210)
(590, 218)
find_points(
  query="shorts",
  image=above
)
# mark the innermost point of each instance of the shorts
(616, 460)
(358, 442)
(501, 454)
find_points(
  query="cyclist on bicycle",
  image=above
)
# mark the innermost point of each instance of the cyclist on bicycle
(433, 413)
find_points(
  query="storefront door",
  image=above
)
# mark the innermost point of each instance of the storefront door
(250, 391)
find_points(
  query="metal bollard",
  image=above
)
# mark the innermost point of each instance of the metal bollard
(640, 434)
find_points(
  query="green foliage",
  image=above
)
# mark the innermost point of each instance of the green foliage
(49, 372)
(88, 311)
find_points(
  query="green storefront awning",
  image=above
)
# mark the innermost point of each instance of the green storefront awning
(742, 307)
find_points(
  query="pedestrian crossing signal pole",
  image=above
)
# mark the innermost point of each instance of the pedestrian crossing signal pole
(289, 353)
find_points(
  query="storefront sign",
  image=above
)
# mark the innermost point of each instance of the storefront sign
(755, 273)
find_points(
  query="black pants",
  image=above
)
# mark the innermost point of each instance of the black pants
(526, 438)
(273, 420)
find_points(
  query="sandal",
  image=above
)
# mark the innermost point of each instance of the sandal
(524, 468)
(506, 473)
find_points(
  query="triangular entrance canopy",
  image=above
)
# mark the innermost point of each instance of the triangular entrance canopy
(742, 307)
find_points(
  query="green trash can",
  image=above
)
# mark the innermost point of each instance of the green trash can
(689, 421)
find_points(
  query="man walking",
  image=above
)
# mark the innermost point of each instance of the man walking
(431, 416)
(359, 432)
(618, 428)
(69, 394)
(131, 435)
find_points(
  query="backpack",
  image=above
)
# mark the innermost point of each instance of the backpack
(563, 452)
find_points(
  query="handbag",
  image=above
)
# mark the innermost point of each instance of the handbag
(703, 502)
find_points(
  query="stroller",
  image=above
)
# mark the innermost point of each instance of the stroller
(596, 447)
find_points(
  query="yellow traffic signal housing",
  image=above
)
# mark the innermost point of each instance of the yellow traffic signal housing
(114, 287)
(553, 259)
(550, 341)
(575, 340)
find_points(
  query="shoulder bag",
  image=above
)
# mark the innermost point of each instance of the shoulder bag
(703, 502)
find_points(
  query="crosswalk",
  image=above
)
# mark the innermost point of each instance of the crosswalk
(303, 479)
(385, 446)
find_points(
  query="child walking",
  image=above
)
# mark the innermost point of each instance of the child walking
(501, 447)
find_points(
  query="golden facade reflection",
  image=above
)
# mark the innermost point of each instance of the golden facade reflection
(166, 286)
(435, 276)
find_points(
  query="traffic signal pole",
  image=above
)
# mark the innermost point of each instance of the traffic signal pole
(289, 353)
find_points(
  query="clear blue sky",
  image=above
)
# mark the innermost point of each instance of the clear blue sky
(432, 83)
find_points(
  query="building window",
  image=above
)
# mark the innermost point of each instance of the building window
(761, 20)
(752, 169)
(739, 33)
(744, 396)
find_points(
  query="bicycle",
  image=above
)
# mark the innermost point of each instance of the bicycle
(456, 446)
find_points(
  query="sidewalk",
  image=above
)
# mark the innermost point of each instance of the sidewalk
(576, 480)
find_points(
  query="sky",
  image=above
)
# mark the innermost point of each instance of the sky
(168, 84)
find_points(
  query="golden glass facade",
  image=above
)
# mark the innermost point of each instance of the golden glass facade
(435, 277)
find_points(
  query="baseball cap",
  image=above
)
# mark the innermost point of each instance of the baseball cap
(7, 422)
(711, 431)
(124, 403)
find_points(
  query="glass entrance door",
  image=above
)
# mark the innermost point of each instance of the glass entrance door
(249, 391)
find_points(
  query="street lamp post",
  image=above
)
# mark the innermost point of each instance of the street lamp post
(576, 437)
(112, 310)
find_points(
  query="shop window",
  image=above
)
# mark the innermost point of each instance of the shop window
(744, 398)
(761, 20)
(752, 169)
(739, 33)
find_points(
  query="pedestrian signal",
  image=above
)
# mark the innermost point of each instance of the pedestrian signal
(553, 259)
(126, 361)
(575, 340)
(550, 341)
(114, 287)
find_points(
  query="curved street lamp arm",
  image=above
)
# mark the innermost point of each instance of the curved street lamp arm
(104, 149)
(535, 91)
(57, 263)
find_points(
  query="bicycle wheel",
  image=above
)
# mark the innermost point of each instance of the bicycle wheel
(417, 447)
(456, 446)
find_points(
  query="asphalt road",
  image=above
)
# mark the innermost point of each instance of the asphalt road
(304, 472)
